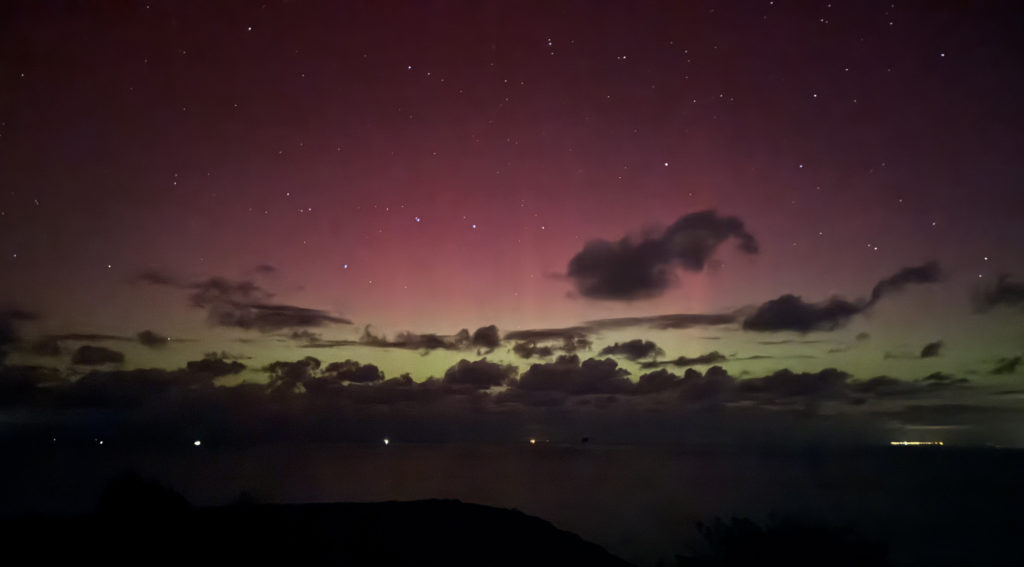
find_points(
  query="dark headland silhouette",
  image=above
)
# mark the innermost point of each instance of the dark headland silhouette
(139, 522)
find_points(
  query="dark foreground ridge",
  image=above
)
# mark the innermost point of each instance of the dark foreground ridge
(160, 527)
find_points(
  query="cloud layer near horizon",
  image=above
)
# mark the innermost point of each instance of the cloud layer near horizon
(243, 304)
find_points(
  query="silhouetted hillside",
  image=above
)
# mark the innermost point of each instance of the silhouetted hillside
(141, 523)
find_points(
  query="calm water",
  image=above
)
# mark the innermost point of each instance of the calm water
(938, 507)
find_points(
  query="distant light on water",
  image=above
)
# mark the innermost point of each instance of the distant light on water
(387, 441)
(915, 443)
(197, 442)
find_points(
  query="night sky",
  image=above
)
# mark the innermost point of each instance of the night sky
(824, 200)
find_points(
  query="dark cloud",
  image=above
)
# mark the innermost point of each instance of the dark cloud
(1003, 292)
(711, 388)
(152, 339)
(635, 349)
(887, 386)
(791, 313)
(112, 389)
(415, 341)
(775, 357)
(644, 267)
(352, 371)
(214, 292)
(399, 390)
(672, 321)
(543, 335)
(480, 374)
(265, 269)
(827, 383)
(286, 377)
(567, 375)
(214, 366)
(881, 385)
(266, 317)
(712, 357)
(243, 304)
(308, 375)
(657, 381)
(929, 272)
(224, 355)
(487, 337)
(931, 350)
(330, 343)
(941, 380)
(570, 346)
(530, 349)
(89, 355)
(305, 336)
(543, 343)
(311, 339)
(1007, 365)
